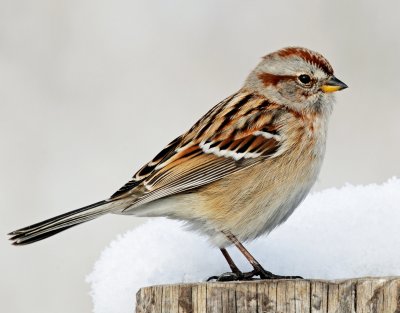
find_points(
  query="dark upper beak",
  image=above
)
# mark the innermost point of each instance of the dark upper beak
(333, 84)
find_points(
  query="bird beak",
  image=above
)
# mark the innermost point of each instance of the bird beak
(333, 84)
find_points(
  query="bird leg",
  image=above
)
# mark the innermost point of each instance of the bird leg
(236, 274)
(258, 269)
(228, 259)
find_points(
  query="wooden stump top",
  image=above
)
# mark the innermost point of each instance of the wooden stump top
(361, 295)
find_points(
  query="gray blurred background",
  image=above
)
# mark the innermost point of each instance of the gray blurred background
(90, 90)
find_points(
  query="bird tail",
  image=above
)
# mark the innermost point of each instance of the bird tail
(59, 223)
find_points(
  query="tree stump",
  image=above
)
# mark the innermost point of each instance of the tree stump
(361, 295)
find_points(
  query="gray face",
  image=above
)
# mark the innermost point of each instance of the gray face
(291, 81)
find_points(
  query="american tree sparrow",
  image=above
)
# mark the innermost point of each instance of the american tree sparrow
(241, 170)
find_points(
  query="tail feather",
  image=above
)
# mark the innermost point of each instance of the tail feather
(22, 240)
(59, 223)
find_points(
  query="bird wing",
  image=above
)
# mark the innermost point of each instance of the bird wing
(237, 133)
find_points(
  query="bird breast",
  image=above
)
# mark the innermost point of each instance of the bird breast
(256, 200)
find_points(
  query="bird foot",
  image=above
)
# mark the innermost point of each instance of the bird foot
(240, 276)
(232, 276)
(264, 274)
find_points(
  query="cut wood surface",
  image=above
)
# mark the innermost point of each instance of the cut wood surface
(375, 295)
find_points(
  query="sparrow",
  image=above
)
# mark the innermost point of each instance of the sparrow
(241, 170)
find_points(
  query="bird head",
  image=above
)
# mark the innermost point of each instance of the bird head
(295, 77)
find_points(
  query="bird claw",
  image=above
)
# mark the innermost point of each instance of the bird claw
(239, 276)
(229, 276)
(234, 276)
(264, 274)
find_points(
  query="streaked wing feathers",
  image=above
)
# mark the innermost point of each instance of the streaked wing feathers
(193, 174)
(148, 168)
(237, 133)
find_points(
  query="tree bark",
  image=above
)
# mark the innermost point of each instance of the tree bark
(361, 295)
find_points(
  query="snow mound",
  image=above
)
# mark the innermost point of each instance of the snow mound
(337, 233)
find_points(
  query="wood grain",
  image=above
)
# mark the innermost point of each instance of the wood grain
(361, 295)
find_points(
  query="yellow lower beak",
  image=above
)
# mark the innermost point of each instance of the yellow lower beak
(332, 85)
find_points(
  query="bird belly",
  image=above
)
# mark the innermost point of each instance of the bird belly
(248, 203)
(248, 207)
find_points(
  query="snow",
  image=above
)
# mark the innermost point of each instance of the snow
(337, 233)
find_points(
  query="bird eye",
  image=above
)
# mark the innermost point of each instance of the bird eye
(305, 79)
